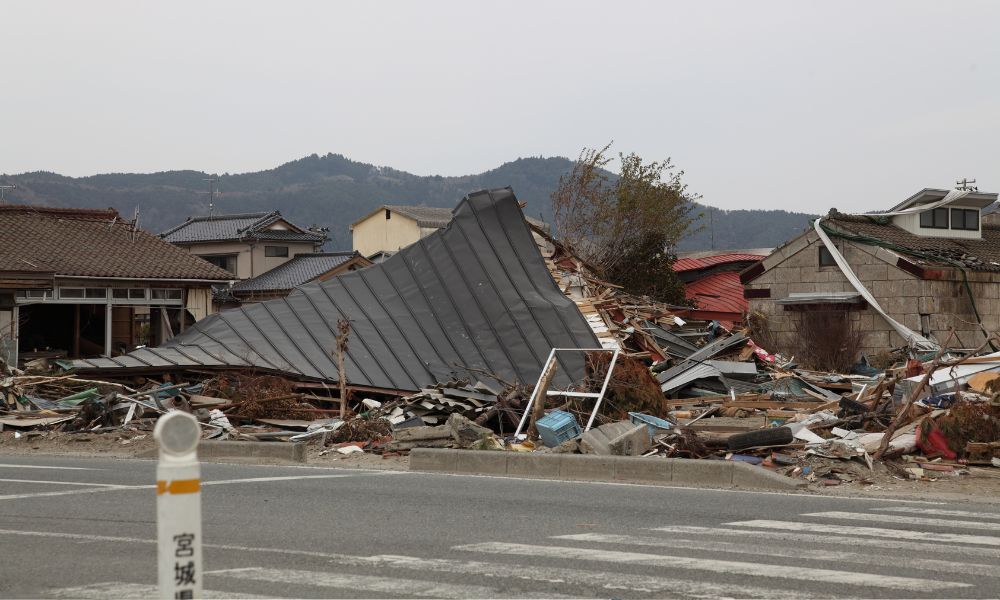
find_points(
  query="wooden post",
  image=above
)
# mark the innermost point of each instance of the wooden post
(538, 410)
(343, 330)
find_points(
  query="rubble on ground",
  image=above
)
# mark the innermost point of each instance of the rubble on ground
(923, 418)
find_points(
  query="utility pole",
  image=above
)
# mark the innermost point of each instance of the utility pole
(965, 184)
(211, 194)
(711, 224)
(3, 191)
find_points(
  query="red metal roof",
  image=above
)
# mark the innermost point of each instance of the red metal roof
(719, 292)
(693, 264)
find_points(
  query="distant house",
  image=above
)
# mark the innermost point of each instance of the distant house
(80, 283)
(390, 228)
(247, 244)
(931, 263)
(712, 283)
(302, 269)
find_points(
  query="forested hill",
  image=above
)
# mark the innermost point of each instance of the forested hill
(334, 191)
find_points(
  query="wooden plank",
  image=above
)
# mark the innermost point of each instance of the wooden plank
(773, 404)
(717, 399)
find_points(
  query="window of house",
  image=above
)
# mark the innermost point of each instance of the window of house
(964, 218)
(167, 294)
(71, 293)
(223, 261)
(96, 293)
(31, 293)
(274, 251)
(128, 293)
(826, 258)
(388, 214)
(934, 219)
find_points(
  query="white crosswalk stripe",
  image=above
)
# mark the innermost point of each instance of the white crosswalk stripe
(585, 578)
(850, 516)
(115, 590)
(798, 568)
(680, 561)
(941, 512)
(929, 536)
(368, 583)
(833, 556)
(829, 539)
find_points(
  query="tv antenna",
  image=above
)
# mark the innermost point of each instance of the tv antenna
(211, 194)
(3, 191)
(966, 185)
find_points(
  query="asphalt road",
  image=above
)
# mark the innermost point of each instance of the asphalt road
(85, 528)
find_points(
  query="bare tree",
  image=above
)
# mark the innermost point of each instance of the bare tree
(627, 226)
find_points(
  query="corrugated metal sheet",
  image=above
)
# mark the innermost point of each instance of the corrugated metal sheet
(719, 292)
(694, 264)
(476, 294)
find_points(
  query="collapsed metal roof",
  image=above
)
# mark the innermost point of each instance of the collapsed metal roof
(467, 301)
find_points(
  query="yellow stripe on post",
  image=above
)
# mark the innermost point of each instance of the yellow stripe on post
(179, 486)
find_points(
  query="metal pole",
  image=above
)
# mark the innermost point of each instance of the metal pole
(534, 393)
(178, 506)
(604, 388)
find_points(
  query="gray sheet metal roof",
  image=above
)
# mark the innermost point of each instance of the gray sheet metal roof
(474, 295)
(235, 227)
(301, 269)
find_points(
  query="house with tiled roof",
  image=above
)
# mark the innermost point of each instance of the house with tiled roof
(903, 277)
(303, 269)
(245, 244)
(712, 284)
(80, 282)
(392, 227)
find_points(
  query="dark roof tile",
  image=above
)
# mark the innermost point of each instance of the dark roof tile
(297, 271)
(91, 243)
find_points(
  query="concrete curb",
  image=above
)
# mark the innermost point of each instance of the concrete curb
(590, 467)
(266, 453)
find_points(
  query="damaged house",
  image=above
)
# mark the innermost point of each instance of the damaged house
(712, 283)
(928, 264)
(79, 283)
(473, 299)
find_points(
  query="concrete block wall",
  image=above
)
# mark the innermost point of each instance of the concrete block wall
(931, 305)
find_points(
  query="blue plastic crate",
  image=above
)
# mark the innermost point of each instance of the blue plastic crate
(557, 427)
(652, 423)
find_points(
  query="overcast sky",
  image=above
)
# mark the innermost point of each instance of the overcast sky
(794, 105)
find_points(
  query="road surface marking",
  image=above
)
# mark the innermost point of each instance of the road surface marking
(45, 467)
(355, 583)
(940, 511)
(926, 564)
(73, 492)
(588, 578)
(84, 483)
(674, 561)
(797, 495)
(849, 516)
(114, 487)
(902, 534)
(810, 538)
(286, 478)
(116, 589)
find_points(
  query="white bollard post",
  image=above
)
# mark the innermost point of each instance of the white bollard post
(178, 506)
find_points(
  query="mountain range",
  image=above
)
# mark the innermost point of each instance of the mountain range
(333, 191)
